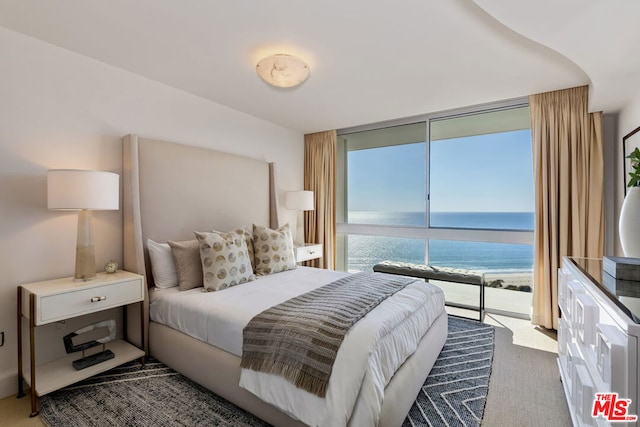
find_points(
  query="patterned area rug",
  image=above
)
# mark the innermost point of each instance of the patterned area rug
(455, 391)
(127, 396)
(453, 395)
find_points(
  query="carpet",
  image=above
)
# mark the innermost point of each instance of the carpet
(455, 391)
(453, 395)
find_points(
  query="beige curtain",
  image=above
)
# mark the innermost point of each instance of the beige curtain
(320, 177)
(568, 176)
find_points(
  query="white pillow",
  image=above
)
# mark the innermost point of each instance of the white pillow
(163, 266)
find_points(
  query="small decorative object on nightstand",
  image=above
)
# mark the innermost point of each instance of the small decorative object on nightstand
(308, 251)
(55, 300)
(111, 267)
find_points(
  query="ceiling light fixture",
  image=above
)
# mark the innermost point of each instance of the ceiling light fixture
(282, 70)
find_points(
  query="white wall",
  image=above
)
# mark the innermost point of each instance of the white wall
(628, 120)
(62, 110)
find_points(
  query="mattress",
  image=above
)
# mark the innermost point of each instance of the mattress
(371, 352)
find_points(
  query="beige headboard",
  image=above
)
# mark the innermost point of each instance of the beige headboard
(172, 190)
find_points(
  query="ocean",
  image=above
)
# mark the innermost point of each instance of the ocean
(365, 251)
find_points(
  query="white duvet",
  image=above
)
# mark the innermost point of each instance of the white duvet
(371, 352)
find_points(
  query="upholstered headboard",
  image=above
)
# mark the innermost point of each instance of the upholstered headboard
(172, 190)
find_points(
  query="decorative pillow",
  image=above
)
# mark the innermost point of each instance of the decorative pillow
(163, 267)
(225, 260)
(273, 250)
(248, 238)
(187, 258)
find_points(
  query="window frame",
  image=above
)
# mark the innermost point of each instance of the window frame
(343, 228)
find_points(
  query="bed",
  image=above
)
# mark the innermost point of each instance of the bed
(172, 190)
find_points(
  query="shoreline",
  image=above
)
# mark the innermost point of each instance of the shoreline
(510, 279)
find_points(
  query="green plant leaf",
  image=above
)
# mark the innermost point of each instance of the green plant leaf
(634, 174)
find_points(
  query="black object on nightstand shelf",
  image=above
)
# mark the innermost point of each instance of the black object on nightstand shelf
(92, 359)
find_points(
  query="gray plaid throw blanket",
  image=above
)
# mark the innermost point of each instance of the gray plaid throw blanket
(299, 338)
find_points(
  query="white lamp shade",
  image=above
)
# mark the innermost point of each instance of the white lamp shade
(82, 189)
(300, 200)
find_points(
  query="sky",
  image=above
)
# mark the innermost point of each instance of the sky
(484, 173)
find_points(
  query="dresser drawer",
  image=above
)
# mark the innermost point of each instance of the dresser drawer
(563, 279)
(612, 345)
(574, 288)
(586, 317)
(583, 393)
(50, 308)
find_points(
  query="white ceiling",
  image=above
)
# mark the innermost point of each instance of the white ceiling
(370, 60)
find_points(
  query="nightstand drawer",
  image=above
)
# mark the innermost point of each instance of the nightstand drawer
(308, 251)
(64, 298)
(84, 301)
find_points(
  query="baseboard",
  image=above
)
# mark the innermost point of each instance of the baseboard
(8, 383)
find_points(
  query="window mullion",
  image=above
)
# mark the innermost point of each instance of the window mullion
(470, 235)
(428, 190)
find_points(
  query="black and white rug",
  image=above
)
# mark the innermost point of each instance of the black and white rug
(455, 391)
(453, 395)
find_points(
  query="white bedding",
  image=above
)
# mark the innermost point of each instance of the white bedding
(370, 353)
(218, 318)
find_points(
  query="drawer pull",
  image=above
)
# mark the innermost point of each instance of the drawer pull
(98, 299)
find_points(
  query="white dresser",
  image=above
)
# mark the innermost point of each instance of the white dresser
(598, 339)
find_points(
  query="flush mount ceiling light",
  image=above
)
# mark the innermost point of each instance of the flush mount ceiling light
(282, 70)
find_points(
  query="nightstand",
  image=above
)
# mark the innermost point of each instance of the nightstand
(55, 300)
(307, 251)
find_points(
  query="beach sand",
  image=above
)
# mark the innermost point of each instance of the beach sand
(515, 279)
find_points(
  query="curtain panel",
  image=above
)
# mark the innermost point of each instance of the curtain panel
(568, 179)
(320, 177)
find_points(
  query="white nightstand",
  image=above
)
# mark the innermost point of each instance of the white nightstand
(56, 300)
(307, 251)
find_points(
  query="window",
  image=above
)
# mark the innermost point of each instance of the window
(454, 190)
(365, 251)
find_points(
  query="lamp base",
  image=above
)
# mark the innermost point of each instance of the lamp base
(299, 237)
(85, 249)
(85, 263)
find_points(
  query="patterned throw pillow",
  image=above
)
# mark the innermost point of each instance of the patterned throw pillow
(225, 259)
(248, 238)
(273, 250)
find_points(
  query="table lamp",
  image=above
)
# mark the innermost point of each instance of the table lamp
(83, 190)
(300, 201)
